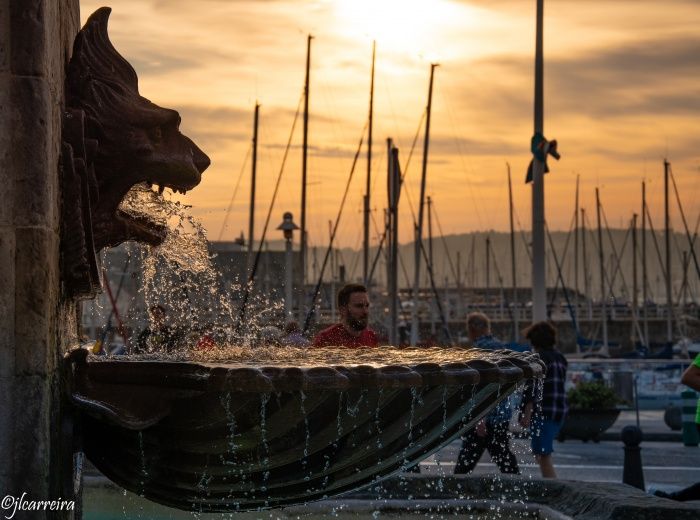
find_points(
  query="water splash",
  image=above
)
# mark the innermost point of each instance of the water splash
(180, 276)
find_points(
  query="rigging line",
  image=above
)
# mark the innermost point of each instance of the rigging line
(256, 262)
(312, 309)
(382, 252)
(327, 96)
(618, 258)
(356, 257)
(406, 279)
(377, 164)
(685, 288)
(108, 326)
(443, 320)
(380, 248)
(387, 91)
(381, 237)
(265, 153)
(404, 186)
(616, 264)
(679, 251)
(656, 243)
(455, 132)
(522, 234)
(572, 311)
(401, 264)
(594, 336)
(685, 223)
(235, 191)
(502, 287)
(594, 240)
(444, 244)
(697, 227)
(563, 256)
(567, 241)
(376, 227)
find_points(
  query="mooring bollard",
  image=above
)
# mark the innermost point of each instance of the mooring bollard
(690, 431)
(632, 471)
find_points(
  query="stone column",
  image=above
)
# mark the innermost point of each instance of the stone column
(36, 38)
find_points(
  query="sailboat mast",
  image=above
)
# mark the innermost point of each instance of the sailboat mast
(644, 266)
(368, 186)
(394, 185)
(421, 204)
(512, 258)
(601, 257)
(472, 262)
(667, 226)
(488, 268)
(635, 290)
(586, 276)
(576, 233)
(251, 217)
(539, 291)
(460, 292)
(430, 260)
(304, 153)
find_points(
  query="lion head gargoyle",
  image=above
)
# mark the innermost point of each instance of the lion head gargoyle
(113, 138)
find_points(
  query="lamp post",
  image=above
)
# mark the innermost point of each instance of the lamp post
(288, 226)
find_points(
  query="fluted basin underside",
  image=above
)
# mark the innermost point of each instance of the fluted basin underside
(222, 437)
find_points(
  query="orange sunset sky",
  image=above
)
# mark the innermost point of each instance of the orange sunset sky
(622, 91)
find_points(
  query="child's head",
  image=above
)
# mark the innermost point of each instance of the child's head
(542, 335)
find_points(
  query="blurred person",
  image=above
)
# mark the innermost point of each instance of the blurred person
(545, 416)
(293, 336)
(158, 335)
(690, 378)
(353, 330)
(491, 433)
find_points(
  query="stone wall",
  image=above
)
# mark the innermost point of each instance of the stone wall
(36, 39)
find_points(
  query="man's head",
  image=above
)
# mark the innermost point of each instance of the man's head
(478, 324)
(353, 305)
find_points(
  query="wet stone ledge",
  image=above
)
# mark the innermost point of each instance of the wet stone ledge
(580, 500)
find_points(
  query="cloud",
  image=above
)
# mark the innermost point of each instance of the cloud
(637, 78)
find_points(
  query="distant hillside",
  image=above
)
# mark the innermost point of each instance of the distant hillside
(463, 256)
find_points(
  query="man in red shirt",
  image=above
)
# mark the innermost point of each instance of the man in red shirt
(352, 331)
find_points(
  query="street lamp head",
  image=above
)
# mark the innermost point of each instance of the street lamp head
(288, 226)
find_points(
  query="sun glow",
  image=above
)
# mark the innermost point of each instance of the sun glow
(407, 26)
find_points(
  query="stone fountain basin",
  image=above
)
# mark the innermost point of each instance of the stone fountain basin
(230, 436)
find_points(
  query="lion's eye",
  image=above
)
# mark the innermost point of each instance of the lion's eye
(157, 134)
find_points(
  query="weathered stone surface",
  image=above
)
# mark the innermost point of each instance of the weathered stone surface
(7, 181)
(63, 21)
(32, 435)
(580, 500)
(28, 35)
(34, 167)
(6, 426)
(35, 42)
(7, 302)
(36, 264)
(4, 36)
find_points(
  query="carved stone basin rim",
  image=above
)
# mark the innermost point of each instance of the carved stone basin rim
(241, 377)
(217, 437)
